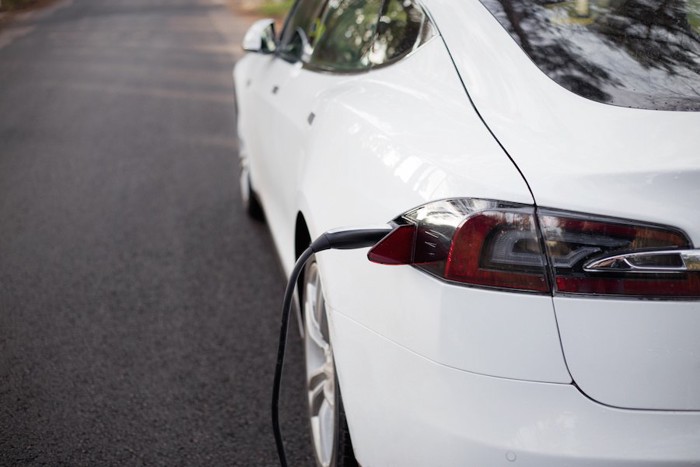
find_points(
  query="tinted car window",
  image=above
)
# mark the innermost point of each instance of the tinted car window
(634, 53)
(304, 17)
(345, 35)
(402, 26)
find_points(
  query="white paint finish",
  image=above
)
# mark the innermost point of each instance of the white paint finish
(273, 127)
(367, 168)
(508, 335)
(283, 107)
(355, 167)
(251, 125)
(404, 410)
(576, 154)
(392, 139)
(634, 354)
(252, 40)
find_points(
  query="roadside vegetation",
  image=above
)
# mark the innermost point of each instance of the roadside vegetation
(263, 8)
(275, 8)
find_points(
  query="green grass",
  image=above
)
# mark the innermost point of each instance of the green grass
(276, 9)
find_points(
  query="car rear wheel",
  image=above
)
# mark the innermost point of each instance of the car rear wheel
(329, 430)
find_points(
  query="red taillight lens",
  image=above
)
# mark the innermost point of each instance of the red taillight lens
(395, 248)
(475, 242)
(498, 249)
(500, 245)
(612, 257)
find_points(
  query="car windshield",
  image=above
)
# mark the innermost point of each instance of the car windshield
(633, 53)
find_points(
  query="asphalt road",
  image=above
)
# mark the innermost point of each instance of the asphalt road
(138, 305)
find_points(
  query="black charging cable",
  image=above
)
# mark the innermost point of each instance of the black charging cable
(334, 239)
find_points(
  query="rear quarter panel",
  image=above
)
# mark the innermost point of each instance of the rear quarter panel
(385, 142)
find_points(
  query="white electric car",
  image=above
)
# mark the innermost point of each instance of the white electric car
(538, 301)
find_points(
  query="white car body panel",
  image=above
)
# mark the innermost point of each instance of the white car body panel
(409, 411)
(480, 331)
(654, 363)
(374, 154)
(584, 156)
(408, 170)
(284, 106)
(358, 154)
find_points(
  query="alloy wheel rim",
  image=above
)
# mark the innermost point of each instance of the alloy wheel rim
(320, 368)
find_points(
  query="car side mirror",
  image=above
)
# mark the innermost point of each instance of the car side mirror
(260, 37)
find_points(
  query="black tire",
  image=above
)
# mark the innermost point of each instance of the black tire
(249, 198)
(344, 455)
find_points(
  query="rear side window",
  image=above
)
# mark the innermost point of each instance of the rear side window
(633, 53)
(356, 35)
(402, 27)
(345, 35)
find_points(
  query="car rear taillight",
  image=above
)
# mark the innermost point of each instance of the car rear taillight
(470, 241)
(601, 256)
(510, 246)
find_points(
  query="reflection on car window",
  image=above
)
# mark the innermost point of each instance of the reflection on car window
(344, 35)
(633, 53)
(401, 26)
(304, 17)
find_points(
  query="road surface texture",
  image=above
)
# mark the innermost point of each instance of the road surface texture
(138, 305)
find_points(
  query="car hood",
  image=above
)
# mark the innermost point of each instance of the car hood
(579, 155)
